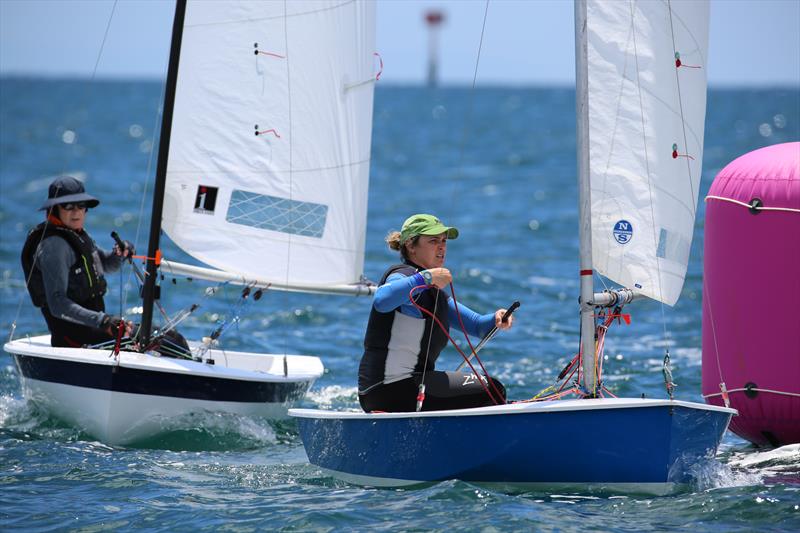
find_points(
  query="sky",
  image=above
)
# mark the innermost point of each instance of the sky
(526, 42)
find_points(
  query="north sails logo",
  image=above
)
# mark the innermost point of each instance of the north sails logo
(623, 231)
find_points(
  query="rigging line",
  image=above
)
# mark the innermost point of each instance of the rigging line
(290, 143)
(649, 180)
(428, 349)
(468, 115)
(140, 220)
(474, 352)
(713, 328)
(453, 342)
(745, 390)
(683, 121)
(103, 43)
(749, 206)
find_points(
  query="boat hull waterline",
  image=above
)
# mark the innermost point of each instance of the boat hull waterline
(141, 395)
(637, 445)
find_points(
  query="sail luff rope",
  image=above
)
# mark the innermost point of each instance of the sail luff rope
(290, 143)
(650, 180)
(47, 221)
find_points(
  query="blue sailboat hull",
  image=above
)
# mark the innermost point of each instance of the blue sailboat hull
(605, 442)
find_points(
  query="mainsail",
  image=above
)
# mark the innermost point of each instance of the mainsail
(269, 154)
(646, 68)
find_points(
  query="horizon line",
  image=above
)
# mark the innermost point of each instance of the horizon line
(493, 84)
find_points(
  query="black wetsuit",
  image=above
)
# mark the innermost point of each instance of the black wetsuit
(65, 273)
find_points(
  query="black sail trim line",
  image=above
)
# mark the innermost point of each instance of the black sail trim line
(149, 289)
(157, 383)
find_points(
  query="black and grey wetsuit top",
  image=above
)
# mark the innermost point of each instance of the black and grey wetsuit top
(56, 260)
(399, 340)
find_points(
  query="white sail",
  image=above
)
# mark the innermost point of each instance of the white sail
(646, 121)
(270, 147)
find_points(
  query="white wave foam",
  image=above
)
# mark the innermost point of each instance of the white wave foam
(222, 424)
(713, 474)
(333, 394)
(17, 413)
(776, 461)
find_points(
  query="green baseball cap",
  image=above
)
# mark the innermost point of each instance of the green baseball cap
(422, 224)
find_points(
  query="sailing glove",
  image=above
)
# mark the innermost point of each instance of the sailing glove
(110, 324)
(127, 246)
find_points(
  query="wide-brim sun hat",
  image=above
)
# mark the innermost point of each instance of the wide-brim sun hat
(423, 224)
(68, 190)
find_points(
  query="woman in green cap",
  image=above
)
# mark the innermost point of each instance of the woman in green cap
(401, 344)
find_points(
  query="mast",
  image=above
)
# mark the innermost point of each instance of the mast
(149, 293)
(584, 199)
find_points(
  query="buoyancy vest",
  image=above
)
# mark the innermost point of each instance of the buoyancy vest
(381, 326)
(85, 284)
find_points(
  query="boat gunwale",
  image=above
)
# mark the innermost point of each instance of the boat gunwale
(35, 347)
(516, 409)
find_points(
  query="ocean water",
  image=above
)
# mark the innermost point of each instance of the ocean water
(498, 163)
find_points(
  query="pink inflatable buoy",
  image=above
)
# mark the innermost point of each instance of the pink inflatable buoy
(751, 294)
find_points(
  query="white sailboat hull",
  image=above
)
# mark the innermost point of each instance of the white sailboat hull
(138, 396)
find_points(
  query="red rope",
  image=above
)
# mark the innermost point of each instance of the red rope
(472, 350)
(272, 131)
(270, 54)
(447, 333)
(118, 343)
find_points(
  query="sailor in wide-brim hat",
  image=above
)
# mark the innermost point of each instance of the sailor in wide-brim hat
(67, 190)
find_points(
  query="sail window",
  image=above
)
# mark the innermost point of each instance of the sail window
(661, 251)
(277, 214)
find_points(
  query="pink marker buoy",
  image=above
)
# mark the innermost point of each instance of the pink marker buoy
(751, 294)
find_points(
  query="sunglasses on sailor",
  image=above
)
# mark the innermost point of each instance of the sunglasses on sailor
(73, 206)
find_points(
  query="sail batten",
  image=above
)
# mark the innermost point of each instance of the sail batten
(646, 114)
(269, 161)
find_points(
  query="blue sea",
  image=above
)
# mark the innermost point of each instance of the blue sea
(498, 163)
